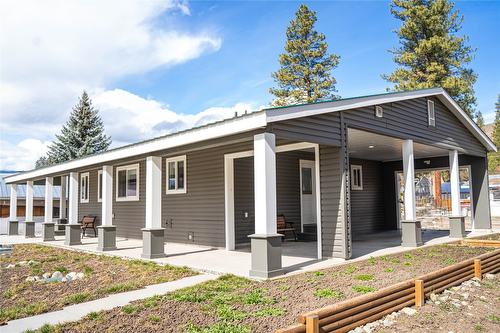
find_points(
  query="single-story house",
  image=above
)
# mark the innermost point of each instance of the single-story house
(329, 168)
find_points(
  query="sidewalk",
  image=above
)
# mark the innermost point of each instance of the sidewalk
(77, 311)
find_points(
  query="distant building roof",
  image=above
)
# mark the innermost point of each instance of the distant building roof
(38, 190)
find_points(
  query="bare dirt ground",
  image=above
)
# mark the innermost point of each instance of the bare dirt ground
(471, 307)
(236, 305)
(103, 275)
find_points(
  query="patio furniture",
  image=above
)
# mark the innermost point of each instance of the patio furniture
(284, 226)
(88, 222)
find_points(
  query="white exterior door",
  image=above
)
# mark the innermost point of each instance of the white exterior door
(307, 193)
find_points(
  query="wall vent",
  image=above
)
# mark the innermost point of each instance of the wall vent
(379, 111)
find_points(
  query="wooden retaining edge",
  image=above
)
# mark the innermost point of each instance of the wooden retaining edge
(347, 315)
(481, 242)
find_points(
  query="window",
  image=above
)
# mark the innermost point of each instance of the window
(84, 187)
(306, 180)
(356, 177)
(431, 115)
(379, 111)
(176, 175)
(99, 186)
(127, 183)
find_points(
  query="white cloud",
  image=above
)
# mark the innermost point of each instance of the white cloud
(51, 50)
(130, 118)
(21, 156)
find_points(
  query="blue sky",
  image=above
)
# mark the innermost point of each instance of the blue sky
(154, 67)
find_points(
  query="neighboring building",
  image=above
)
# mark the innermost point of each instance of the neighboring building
(38, 198)
(329, 167)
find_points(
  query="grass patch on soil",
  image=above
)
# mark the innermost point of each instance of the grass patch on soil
(221, 327)
(20, 299)
(363, 289)
(327, 293)
(365, 277)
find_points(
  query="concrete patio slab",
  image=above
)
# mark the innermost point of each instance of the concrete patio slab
(78, 311)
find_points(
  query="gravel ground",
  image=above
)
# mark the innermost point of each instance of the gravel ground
(236, 305)
(471, 307)
(104, 275)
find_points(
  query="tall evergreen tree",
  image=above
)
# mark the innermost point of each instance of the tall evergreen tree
(305, 73)
(494, 157)
(431, 53)
(83, 134)
(479, 119)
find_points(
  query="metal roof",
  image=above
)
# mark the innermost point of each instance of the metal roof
(38, 190)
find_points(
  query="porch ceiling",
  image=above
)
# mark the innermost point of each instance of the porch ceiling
(371, 146)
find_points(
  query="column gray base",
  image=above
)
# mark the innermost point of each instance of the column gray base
(266, 256)
(29, 229)
(73, 232)
(13, 228)
(106, 237)
(457, 226)
(153, 243)
(48, 231)
(411, 233)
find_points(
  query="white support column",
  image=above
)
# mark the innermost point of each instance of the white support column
(29, 201)
(409, 177)
(73, 198)
(153, 192)
(49, 199)
(13, 223)
(62, 199)
(153, 235)
(107, 195)
(455, 183)
(229, 202)
(13, 202)
(265, 183)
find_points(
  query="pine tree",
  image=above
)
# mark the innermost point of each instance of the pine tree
(494, 157)
(305, 73)
(83, 134)
(431, 54)
(479, 119)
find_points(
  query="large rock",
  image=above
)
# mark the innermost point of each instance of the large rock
(57, 275)
(46, 275)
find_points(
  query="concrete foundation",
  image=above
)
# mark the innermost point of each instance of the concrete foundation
(106, 238)
(266, 256)
(73, 234)
(48, 231)
(13, 228)
(29, 229)
(457, 226)
(411, 233)
(153, 243)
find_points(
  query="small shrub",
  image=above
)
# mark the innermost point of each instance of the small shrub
(365, 277)
(269, 312)
(151, 302)
(327, 293)
(408, 256)
(220, 327)
(350, 269)
(61, 269)
(478, 328)
(129, 309)
(96, 316)
(449, 261)
(119, 288)
(493, 318)
(395, 260)
(154, 318)
(363, 289)
(407, 263)
(256, 297)
(226, 312)
(87, 270)
(318, 273)
(284, 287)
(75, 298)
(389, 270)
(372, 260)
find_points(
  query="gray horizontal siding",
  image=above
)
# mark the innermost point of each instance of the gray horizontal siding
(408, 120)
(367, 205)
(93, 207)
(332, 221)
(322, 129)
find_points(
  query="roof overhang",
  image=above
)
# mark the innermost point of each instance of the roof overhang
(298, 111)
(250, 122)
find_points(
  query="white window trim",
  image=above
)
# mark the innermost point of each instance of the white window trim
(99, 184)
(176, 159)
(358, 187)
(82, 176)
(128, 167)
(431, 109)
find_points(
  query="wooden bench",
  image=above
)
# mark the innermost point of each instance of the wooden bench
(88, 222)
(284, 226)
